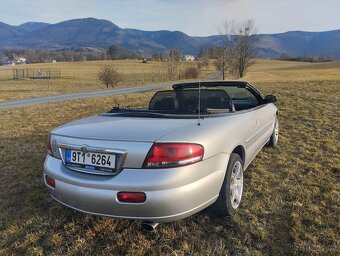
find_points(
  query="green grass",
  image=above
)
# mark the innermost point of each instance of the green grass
(291, 195)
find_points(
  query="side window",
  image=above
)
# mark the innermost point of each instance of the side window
(242, 97)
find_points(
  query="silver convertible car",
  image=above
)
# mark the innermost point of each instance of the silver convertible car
(184, 152)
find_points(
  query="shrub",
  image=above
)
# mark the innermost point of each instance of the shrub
(109, 76)
(191, 73)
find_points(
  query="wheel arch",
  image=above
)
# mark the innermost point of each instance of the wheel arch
(241, 152)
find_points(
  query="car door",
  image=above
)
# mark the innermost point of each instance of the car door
(264, 121)
(259, 118)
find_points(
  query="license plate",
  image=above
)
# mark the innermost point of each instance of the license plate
(90, 160)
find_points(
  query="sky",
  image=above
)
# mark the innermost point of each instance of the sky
(194, 17)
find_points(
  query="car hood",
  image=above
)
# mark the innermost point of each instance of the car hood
(122, 128)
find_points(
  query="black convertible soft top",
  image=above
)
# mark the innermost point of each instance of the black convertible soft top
(208, 84)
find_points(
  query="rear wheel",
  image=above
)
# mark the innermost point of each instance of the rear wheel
(232, 188)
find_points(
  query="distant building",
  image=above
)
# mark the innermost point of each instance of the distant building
(21, 60)
(188, 57)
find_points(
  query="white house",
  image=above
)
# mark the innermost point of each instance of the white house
(188, 57)
(21, 60)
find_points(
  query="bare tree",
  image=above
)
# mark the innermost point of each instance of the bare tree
(245, 47)
(238, 48)
(173, 64)
(223, 62)
(225, 52)
(109, 76)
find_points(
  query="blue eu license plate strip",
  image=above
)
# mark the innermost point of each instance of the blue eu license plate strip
(68, 155)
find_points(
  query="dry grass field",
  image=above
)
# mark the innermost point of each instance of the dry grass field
(291, 201)
(82, 77)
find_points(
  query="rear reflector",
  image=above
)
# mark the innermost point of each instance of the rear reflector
(50, 181)
(131, 197)
(166, 155)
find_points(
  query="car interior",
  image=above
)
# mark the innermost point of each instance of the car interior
(187, 101)
(218, 99)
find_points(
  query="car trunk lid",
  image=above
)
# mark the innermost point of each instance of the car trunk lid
(121, 128)
(130, 137)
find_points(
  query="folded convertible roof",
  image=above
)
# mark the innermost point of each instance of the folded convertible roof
(191, 85)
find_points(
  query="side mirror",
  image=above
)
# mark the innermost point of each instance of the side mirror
(270, 99)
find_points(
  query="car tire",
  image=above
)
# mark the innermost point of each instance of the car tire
(274, 138)
(231, 192)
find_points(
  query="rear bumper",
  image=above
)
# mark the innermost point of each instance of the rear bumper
(171, 194)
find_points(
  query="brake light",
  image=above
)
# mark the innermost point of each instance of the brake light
(131, 197)
(49, 145)
(165, 155)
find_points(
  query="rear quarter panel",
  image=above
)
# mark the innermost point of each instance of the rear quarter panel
(223, 134)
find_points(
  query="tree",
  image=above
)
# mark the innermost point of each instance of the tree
(245, 47)
(224, 53)
(238, 48)
(224, 61)
(118, 53)
(113, 52)
(173, 63)
(109, 76)
(161, 56)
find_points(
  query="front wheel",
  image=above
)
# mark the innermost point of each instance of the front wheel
(231, 192)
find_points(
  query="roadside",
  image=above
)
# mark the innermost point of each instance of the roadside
(23, 82)
(73, 96)
(82, 95)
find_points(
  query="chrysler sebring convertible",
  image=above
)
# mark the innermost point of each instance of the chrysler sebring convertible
(183, 152)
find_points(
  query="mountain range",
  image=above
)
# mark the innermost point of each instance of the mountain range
(98, 33)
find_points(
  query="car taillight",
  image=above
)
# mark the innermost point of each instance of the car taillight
(165, 155)
(49, 145)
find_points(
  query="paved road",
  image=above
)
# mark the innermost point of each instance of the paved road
(72, 96)
(216, 76)
(82, 95)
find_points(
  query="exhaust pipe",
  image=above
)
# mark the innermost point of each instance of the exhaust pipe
(149, 226)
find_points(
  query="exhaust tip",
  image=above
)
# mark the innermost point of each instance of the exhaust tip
(149, 226)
